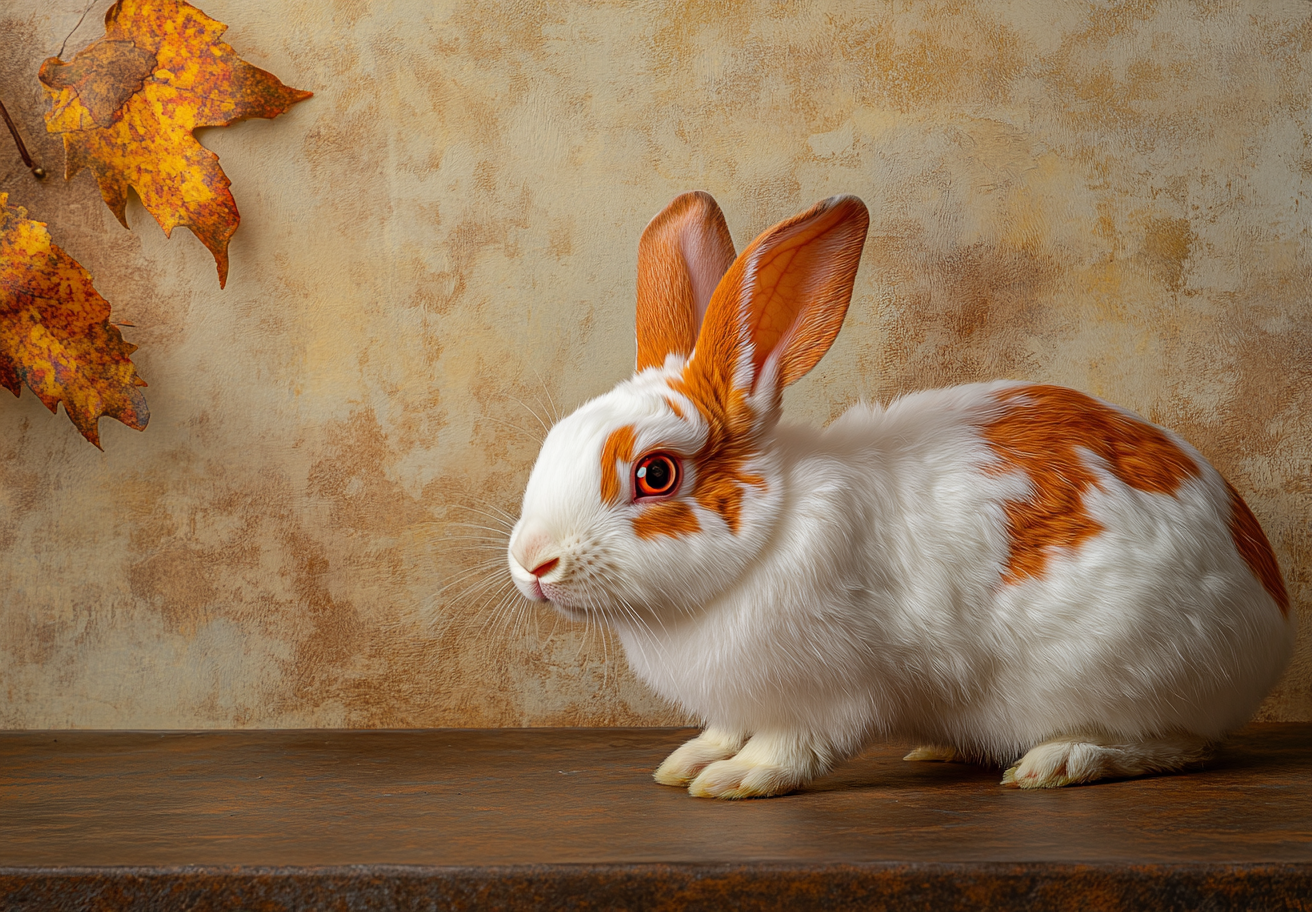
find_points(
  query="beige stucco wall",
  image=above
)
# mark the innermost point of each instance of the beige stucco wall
(441, 243)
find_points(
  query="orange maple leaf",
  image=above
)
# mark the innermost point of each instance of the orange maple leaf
(55, 334)
(128, 103)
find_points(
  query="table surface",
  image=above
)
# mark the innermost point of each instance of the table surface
(586, 797)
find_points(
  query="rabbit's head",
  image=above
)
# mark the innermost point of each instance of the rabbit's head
(654, 497)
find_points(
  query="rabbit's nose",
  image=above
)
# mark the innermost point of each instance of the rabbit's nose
(545, 567)
(535, 552)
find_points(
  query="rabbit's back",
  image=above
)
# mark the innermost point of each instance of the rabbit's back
(1116, 581)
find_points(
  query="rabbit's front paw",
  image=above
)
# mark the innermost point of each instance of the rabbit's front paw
(768, 764)
(739, 778)
(682, 766)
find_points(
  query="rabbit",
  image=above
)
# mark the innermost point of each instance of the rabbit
(1006, 573)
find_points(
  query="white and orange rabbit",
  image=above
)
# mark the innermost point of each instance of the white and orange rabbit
(1003, 572)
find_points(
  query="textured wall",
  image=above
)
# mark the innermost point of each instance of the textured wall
(441, 243)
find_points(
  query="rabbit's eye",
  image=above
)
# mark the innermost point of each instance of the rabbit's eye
(655, 474)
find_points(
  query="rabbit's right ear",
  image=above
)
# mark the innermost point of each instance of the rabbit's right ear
(682, 256)
(780, 306)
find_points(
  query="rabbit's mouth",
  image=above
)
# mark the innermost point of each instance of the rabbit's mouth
(572, 604)
(560, 597)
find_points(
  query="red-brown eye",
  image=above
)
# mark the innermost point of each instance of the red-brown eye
(655, 474)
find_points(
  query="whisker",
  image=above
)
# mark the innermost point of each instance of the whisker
(536, 438)
(545, 429)
(462, 524)
(500, 516)
(482, 584)
(478, 594)
(490, 505)
(471, 582)
(500, 533)
(637, 617)
(495, 559)
(555, 413)
(583, 640)
(503, 611)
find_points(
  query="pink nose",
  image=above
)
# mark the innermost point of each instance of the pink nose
(545, 567)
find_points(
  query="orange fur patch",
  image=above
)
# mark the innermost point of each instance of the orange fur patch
(1041, 435)
(721, 478)
(668, 517)
(707, 381)
(617, 448)
(1253, 547)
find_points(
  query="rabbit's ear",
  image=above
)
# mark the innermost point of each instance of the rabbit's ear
(781, 304)
(682, 255)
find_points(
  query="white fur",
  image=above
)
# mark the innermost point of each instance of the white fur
(863, 596)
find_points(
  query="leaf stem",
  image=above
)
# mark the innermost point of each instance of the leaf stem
(75, 28)
(37, 171)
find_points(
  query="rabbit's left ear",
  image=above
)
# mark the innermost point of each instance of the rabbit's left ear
(780, 306)
(682, 255)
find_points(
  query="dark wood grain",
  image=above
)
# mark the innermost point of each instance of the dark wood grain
(123, 814)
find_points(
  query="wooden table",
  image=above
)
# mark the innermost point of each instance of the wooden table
(570, 818)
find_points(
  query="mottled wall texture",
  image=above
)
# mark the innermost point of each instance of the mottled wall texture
(437, 251)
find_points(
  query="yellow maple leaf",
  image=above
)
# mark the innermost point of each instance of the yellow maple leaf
(128, 103)
(55, 334)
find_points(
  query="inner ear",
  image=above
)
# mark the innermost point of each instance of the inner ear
(682, 255)
(708, 256)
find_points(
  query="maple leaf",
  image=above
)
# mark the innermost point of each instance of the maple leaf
(128, 103)
(55, 334)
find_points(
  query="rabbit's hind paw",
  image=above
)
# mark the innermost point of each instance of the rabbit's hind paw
(932, 754)
(1053, 764)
